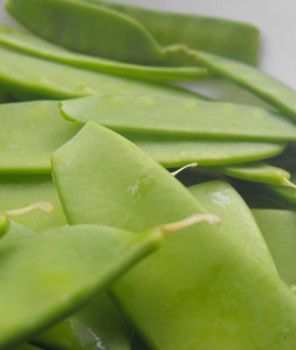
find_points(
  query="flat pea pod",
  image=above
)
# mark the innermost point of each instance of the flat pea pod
(30, 78)
(179, 116)
(129, 34)
(32, 45)
(221, 199)
(255, 171)
(63, 267)
(32, 131)
(278, 228)
(268, 88)
(96, 325)
(21, 190)
(193, 286)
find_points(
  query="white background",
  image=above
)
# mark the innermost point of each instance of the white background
(275, 18)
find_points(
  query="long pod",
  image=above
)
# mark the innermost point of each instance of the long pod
(32, 45)
(188, 294)
(32, 131)
(130, 34)
(152, 114)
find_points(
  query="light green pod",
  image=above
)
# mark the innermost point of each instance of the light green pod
(32, 131)
(189, 294)
(49, 275)
(221, 199)
(255, 171)
(28, 78)
(268, 88)
(179, 116)
(97, 324)
(278, 228)
(18, 191)
(130, 34)
(32, 45)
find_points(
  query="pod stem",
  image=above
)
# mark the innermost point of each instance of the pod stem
(192, 165)
(191, 220)
(288, 183)
(46, 206)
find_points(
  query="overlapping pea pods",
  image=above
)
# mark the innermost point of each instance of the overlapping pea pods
(144, 195)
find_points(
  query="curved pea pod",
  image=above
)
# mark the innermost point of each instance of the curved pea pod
(278, 228)
(202, 289)
(268, 88)
(129, 34)
(179, 116)
(221, 199)
(49, 275)
(256, 171)
(96, 325)
(21, 190)
(28, 78)
(32, 131)
(32, 45)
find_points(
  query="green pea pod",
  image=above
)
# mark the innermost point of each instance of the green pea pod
(188, 294)
(268, 88)
(28, 143)
(129, 34)
(97, 324)
(28, 78)
(278, 228)
(18, 191)
(256, 171)
(179, 116)
(221, 199)
(32, 45)
(49, 275)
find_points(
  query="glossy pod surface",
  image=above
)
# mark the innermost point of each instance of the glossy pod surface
(220, 273)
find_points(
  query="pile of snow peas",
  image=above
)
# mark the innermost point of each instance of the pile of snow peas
(133, 256)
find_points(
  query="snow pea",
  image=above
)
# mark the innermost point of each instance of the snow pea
(261, 84)
(278, 228)
(57, 271)
(30, 133)
(169, 308)
(25, 124)
(21, 190)
(129, 34)
(179, 116)
(27, 78)
(33, 45)
(108, 326)
(256, 171)
(221, 199)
